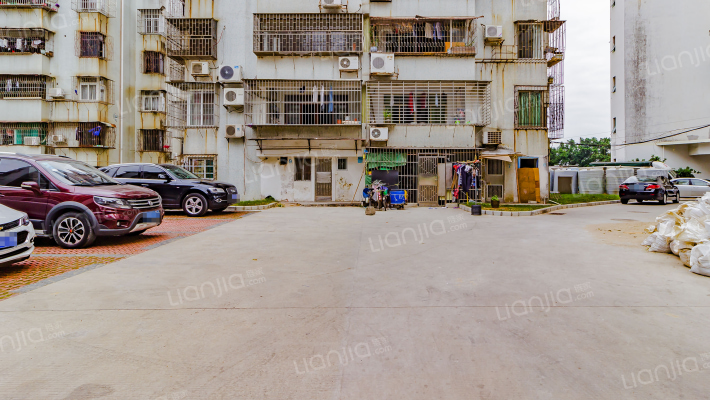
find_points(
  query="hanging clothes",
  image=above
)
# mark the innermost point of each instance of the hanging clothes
(322, 97)
(315, 94)
(330, 105)
(428, 31)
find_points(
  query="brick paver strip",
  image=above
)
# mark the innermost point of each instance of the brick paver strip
(51, 263)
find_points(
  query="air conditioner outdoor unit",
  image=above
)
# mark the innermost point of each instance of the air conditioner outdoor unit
(233, 97)
(492, 137)
(494, 34)
(378, 134)
(230, 74)
(382, 63)
(349, 63)
(200, 68)
(233, 131)
(332, 3)
(58, 139)
(56, 93)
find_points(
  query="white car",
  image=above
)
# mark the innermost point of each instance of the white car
(17, 236)
(692, 187)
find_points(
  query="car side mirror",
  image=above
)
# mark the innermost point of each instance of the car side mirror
(33, 186)
(164, 177)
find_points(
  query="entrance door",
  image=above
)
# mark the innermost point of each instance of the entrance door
(428, 195)
(324, 179)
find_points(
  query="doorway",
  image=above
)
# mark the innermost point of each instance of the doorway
(324, 179)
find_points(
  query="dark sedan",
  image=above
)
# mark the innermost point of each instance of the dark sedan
(649, 188)
(178, 188)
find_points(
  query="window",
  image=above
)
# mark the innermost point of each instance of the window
(685, 182)
(613, 44)
(529, 40)
(296, 34)
(342, 164)
(152, 22)
(24, 86)
(92, 44)
(699, 182)
(303, 168)
(613, 125)
(129, 172)
(92, 89)
(527, 162)
(613, 85)
(152, 140)
(27, 134)
(530, 109)
(153, 101)
(417, 36)
(153, 62)
(151, 172)
(14, 172)
(203, 167)
(24, 41)
(200, 108)
(494, 167)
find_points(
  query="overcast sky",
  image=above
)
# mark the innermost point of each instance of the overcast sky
(587, 69)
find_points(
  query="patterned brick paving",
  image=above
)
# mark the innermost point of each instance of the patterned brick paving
(50, 260)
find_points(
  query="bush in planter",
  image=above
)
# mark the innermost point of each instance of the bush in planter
(495, 202)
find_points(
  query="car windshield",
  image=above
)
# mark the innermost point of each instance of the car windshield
(180, 173)
(76, 173)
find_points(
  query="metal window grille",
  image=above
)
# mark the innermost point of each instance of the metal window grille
(151, 22)
(24, 86)
(82, 134)
(94, 89)
(494, 190)
(555, 41)
(456, 36)
(193, 105)
(192, 38)
(529, 40)
(94, 45)
(105, 7)
(47, 5)
(153, 140)
(26, 41)
(556, 74)
(494, 167)
(153, 101)
(531, 103)
(204, 166)
(153, 62)
(175, 8)
(342, 164)
(175, 72)
(23, 134)
(556, 113)
(406, 161)
(429, 102)
(302, 168)
(307, 33)
(282, 102)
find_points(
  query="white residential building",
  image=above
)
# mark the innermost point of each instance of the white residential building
(658, 82)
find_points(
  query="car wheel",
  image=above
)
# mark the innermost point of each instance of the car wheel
(624, 201)
(677, 198)
(194, 205)
(639, 200)
(73, 231)
(664, 199)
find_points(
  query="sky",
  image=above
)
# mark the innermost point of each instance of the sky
(587, 59)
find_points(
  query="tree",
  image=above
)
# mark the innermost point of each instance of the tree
(582, 154)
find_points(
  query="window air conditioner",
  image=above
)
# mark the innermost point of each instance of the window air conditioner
(230, 74)
(56, 93)
(381, 63)
(379, 134)
(233, 97)
(332, 3)
(233, 131)
(200, 68)
(492, 137)
(349, 63)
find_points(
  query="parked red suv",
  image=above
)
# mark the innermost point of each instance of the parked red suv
(73, 202)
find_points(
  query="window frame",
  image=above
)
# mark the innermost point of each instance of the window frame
(301, 173)
(344, 164)
(198, 112)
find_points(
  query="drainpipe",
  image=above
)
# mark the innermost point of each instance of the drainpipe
(120, 85)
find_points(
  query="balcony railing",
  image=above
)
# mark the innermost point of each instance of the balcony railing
(46, 5)
(192, 38)
(556, 113)
(555, 42)
(23, 134)
(425, 36)
(282, 102)
(105, 7)
(153, 140)
(24, 86)
(429, 102)
(304, 34)
(26, 41)
(192, 105)
(82, 134)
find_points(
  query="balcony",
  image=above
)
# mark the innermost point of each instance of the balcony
(23, 134)
(41, 4)
(95, 135)
(429, 103)
(555, 42)
(303, 103)
(23, 87)
(192, 106)
(26, 41)
(425, 36)
(155, 140)
(191, 39)
(307, 34)
(104, 7)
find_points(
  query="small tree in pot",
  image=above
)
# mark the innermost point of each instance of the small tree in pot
(495, 202)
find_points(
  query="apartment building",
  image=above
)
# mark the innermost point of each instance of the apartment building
(308, 100)
(657, 83)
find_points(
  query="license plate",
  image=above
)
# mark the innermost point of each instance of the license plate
(233, 197)
(151, 216)
(8, 240)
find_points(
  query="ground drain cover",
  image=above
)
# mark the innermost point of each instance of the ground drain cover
(557, 213)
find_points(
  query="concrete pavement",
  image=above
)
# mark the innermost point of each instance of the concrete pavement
(327, 303)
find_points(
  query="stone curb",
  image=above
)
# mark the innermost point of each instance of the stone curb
(252, 208)
(536, 212)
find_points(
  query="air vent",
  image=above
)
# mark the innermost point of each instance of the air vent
(378, 62)
(226, 73)
(345, 62)
(492, 31)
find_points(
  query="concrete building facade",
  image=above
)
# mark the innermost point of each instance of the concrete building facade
(301, 100)
(658, 76)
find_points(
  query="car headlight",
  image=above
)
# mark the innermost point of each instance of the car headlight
(25, 220)
(112, 202)
(215, 190)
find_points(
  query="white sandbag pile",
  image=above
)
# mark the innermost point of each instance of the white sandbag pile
(685, 232)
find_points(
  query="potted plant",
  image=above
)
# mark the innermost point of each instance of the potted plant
(495, 202)
(388, 116)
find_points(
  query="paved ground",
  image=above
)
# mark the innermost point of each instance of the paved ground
(326, 303)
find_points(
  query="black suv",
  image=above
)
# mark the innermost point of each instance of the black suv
(178, 187)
